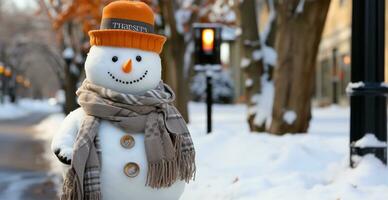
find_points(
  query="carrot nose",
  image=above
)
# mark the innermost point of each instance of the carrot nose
(127, 67)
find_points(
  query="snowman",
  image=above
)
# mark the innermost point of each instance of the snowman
(127, 140)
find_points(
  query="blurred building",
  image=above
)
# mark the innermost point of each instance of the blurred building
(333, 62)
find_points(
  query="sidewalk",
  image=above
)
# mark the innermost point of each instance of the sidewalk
(24, 172)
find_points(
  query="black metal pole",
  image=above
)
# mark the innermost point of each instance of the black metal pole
(335, 77)
(368, 114)
(209, 101)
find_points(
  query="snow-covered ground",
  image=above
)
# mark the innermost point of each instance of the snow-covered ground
(234, 164)
(26, 106)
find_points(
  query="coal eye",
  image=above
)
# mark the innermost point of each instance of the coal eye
(138, 58)
(115, 58)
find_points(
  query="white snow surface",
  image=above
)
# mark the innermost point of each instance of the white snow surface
(289, 117)
(370, 140)
(234, 164)
(24, 107)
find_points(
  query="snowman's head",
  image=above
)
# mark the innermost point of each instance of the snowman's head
(125, 70)
(125, 50)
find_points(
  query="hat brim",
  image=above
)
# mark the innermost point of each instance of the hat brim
(127, 39)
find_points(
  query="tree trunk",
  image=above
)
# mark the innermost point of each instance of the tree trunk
(168, 65)
(70, 89)
(71, 80)
(178, 48)
(297, 41)
(168, 68)
(254, 69)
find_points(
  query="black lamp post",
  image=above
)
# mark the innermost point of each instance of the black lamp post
(368, 111)
(207, 39)
(335, 78)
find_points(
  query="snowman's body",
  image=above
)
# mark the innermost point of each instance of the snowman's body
(114, 183)
(103, 63)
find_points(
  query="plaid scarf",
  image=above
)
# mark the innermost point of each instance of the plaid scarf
(169, 148)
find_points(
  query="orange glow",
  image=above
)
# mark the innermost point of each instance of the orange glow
(19, 79)
(27, 83)
(8, 72)
(207, 40)
(2, 70)
(346, 60)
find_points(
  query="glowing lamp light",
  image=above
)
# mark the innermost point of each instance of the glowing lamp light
(2, 69)
(19, 79)
(7, 72)
(346, 60)
(27, 83)
(208, 40)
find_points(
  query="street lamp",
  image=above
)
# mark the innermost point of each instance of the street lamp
(26, 83)
(2, 69)
(7, 72)
(207, 39)
(335, 78)
(368, 108)
(19, 79)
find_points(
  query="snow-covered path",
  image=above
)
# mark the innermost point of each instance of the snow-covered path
(234, 164)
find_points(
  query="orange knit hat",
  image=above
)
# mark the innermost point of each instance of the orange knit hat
(127, 24)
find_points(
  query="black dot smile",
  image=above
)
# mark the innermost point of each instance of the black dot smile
(128, 82)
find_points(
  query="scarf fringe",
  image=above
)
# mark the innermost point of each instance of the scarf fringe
(70, 186)
(187, 168)
(162, 173)
(185, 160)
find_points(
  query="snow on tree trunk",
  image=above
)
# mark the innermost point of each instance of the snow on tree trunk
(299, 29)
(253, 68)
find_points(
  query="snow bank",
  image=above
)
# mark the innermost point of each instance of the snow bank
(235, 164)
(26, 106)
(11, 111)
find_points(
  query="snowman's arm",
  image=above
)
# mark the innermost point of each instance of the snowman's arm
(63, 140)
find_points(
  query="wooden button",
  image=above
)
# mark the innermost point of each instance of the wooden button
(127, 141)
(131, 169)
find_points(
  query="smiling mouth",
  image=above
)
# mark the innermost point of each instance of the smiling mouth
(128, 82)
